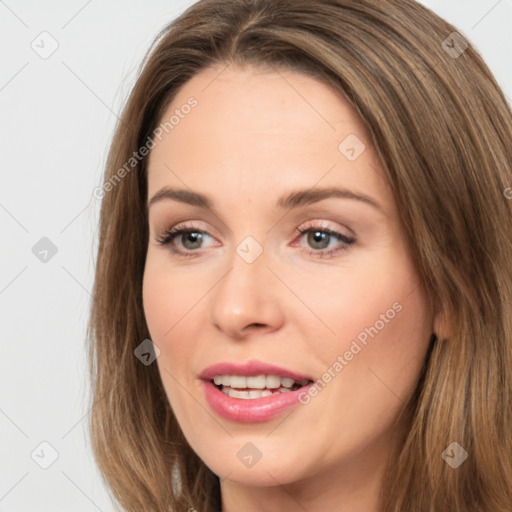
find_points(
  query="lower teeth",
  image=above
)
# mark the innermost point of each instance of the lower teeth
(253, 393)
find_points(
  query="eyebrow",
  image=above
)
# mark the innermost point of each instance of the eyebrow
(291, 200)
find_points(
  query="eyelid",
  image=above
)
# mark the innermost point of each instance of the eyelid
(345, 241)
(322, 224)
(175, 230)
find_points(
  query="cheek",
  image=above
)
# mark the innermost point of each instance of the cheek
(170, 298)
(381, 358)
(382, 326)
(378, 375)
(376, 298)
(163, 308)
(172, 308)
(158, 304)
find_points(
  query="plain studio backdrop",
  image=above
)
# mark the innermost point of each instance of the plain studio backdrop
(67, 68)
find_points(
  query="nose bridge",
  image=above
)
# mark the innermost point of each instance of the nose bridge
(247, 294)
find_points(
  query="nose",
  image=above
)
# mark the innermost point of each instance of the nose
(248, 298)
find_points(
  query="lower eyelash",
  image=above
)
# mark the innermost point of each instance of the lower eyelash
(347, 242)
(168, 236)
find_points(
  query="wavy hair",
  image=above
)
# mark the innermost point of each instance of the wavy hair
(443, 131)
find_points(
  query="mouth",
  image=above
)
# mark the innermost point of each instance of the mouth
(252, 392)
(258, 386)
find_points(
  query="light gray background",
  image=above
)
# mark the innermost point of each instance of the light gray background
(57, 118)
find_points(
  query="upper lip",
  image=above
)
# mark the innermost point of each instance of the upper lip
(250, 369)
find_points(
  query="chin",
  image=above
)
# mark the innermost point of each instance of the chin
(253, 461)
(262, 474)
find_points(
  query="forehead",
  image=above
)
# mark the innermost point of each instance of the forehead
(254, 131)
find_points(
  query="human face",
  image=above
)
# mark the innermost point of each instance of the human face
(254, 290)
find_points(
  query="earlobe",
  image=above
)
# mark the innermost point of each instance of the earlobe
(442, 328)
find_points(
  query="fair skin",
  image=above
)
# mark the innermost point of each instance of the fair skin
(253, 137)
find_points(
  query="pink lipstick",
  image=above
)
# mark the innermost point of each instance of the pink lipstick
(252, 392)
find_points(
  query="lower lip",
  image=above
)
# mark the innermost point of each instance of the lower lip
(252, 410)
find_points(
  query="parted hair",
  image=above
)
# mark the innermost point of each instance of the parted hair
(443, 131)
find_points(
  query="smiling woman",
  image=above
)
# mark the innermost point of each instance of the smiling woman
(304, 286)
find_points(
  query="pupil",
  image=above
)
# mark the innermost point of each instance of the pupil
(193, 237)
(318, 237)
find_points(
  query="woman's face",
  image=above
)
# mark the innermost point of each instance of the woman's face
(337, 309)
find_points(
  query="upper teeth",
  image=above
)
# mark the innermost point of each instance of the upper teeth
(257, 382)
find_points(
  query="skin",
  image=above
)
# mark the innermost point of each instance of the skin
(254, 136)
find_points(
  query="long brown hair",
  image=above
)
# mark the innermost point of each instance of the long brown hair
(443, 131)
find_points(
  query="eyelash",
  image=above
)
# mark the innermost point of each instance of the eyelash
(170, 234)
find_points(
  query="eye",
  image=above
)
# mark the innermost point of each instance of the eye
(190, 237)
(319, 238)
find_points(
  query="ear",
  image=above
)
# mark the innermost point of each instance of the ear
(442, 327)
